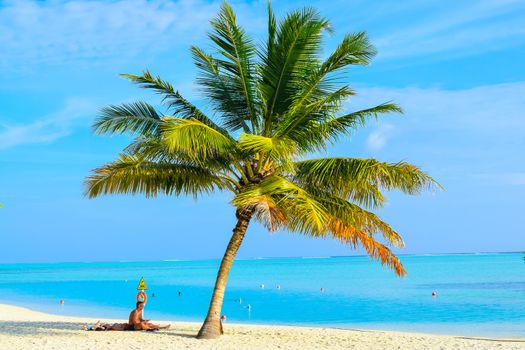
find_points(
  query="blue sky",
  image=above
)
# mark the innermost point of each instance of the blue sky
(456, 67)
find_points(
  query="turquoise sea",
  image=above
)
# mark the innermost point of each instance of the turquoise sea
(477, 294)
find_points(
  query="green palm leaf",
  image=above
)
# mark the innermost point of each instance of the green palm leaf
(222, 90)
(237, 51)
(295, 45)
(302, 211)
(267, 212)
(355, 49)
(276, 148)
(155, 150)
(322, 129)
(296, 123)
(195, 139)
(138, 118)
(343, 175)
(132, 175)
(172, 99)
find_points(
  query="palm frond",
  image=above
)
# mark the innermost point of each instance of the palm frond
(278, 149)
(318, 133)
(383, 254)
(272, 32)
(137, 118)
(354, 237)
(291, 51)
(317, 217)
(296, 122)
(148, 81)
(156, 149)
(175, 102)
(222, 90)
(350, 121)
(355, 49)
(307, 215)
(344, 175)
(196, 139)
(303, 213)
(237, 51)
(153, 149)
(185, 109)
(364, 193)
(348, 217)
(267, 212)
(130, 174)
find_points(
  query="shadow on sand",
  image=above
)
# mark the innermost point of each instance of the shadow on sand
(30, 328)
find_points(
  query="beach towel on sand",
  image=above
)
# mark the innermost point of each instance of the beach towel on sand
(109, 327)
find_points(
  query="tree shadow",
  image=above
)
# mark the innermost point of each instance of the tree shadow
(38, 328)
(31, 328)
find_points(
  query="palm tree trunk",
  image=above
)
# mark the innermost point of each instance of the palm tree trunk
(212, 326)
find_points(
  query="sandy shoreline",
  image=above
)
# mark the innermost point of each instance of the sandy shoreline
(21, 328)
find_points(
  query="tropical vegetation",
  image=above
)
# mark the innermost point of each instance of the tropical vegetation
(270, 107)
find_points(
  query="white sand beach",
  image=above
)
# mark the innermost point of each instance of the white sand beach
(21, 328)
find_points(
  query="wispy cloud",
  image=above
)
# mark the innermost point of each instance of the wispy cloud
(516, 179)
(491, 108)
(464, 28)
(466, 132)
(49, 128)
(379, 137)
(95, 32)
(56, 32)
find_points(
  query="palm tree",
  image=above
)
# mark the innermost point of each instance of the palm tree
(274, 104)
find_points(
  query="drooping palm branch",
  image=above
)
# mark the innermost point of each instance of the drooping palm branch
(272, 105)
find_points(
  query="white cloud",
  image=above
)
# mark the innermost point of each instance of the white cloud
(49, 128)
(466, 28)
(379, 137)
(515, 178)
(458, 134)
(510, 178)
(61, 31)
(491, 108)
(95, 32)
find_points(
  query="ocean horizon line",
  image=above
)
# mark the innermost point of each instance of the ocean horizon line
(257, 258)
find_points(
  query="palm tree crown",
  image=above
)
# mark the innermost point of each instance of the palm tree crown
(273, 105)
